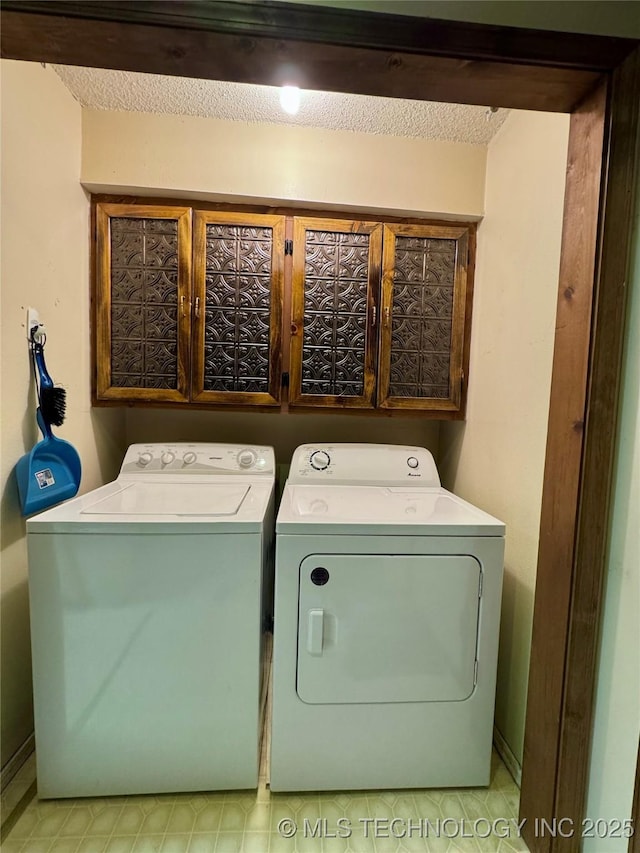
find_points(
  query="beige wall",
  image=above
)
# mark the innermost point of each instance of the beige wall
(44, 264)
(496, 458)
(283, 432)
(239, 161)
(242, 161)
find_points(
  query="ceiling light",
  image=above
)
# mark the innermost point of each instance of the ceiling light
(290, 99)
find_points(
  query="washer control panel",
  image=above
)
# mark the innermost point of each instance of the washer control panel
(373, 464)
(198, 458)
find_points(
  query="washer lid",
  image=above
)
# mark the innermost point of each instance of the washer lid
(378, 511)
(155, 508)
(171, 499)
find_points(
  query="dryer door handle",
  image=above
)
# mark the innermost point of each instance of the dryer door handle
(315, 634)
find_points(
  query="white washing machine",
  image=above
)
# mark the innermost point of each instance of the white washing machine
(148, 598)
(387, 606)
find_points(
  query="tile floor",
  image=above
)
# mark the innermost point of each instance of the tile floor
(248, 822)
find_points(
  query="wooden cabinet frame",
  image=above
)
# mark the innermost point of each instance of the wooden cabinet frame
(460, 321)
(104, 389)
(237, 398)
(301, 226)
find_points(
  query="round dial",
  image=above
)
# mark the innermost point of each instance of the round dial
(412, 462)
(246, 458)
(167, 457)
(144, 459)
(189, 457)
(320, 460)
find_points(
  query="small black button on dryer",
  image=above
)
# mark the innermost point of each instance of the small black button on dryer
(319, 576)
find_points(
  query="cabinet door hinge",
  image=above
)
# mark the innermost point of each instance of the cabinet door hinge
(288, 247)
(285, 380)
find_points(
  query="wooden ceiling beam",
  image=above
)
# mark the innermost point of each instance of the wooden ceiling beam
(315, 48)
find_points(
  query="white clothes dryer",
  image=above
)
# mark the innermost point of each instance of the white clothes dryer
(148, 597)
(387, 609)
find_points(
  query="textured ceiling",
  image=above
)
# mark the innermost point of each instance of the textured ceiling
(101, 89)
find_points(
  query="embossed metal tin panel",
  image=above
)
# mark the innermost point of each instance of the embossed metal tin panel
(422, 317)
(335, 313)
(144, 303)
(237, 308)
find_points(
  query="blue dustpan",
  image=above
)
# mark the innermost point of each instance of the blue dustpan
(49, 474)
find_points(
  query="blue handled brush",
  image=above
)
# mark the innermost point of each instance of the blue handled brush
(53, 399)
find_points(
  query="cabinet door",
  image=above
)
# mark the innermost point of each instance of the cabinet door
(142, 285)
(336, 282)
(237, 310)
(424, 294)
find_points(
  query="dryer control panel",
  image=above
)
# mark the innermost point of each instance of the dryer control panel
(198, 458)
(366, 464)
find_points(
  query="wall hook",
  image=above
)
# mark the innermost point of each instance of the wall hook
(35, 327)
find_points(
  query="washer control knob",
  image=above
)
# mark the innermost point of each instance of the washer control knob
(412, 462)
(320, 460)
(246, 458)
(144, 459)
(167, 457)
(189, 457)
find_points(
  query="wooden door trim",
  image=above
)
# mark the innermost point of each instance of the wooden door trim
(494, 65)
(563, 463)
(260, 43)
(580, 452)
(598, 463)
(353, 28)
(634, 841)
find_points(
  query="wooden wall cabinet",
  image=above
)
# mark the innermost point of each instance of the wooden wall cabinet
(163, 335)
(379, 315)
(190, 309)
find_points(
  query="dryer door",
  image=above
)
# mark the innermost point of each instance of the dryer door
(385, 628)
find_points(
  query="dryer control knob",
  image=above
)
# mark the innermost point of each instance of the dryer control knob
(189, 457)
(167, 457)
(246, 458)
(320, 460)
(412, 462)
(144, 459)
